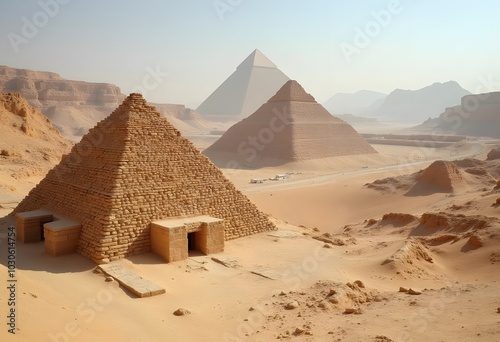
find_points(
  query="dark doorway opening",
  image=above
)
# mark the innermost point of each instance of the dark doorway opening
(195, 244)
(192, 241)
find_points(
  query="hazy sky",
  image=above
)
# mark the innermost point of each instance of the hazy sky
(329, 46)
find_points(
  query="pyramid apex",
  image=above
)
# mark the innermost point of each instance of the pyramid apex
(292, 91)
(134, 105)
(257, 59)
(135, 97)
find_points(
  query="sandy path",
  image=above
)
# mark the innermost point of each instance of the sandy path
(403, 168)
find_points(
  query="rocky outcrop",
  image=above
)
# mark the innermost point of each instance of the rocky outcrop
(494, 154)
(29, 144)
(45, 89)
(72, 106)
(478, 115)
(398, 219)
(23, 126)
(446, 221)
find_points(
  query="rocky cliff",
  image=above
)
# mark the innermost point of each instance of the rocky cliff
(477, 115)
(29, 144)
(72, 106)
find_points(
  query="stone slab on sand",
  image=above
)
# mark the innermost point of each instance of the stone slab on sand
(269, 274)
(132, 281)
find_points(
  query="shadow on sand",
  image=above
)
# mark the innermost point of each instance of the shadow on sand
(420, 190)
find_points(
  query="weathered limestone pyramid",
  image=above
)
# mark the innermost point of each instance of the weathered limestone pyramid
(131, 169)
(291, 126)
(249, 86)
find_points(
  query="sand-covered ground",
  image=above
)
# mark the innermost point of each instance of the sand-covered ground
(332, 272)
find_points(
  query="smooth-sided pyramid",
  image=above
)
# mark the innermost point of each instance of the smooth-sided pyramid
(133, 168)
(291, 126)
(255, 80)
(442, 175)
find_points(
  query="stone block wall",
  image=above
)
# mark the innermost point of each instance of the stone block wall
(169, 238)
(30, 225)
(214, 237)
(61, 237)
(171, 244)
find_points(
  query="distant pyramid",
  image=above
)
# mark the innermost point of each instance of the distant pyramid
(291, 126)
(134, 168)
(442, 175)
(255, 80)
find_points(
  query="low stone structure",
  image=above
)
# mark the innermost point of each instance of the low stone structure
(30, 225)
(203, 233)
(132, 169)
(61, 236)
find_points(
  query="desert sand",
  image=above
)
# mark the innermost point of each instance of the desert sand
(358, 256)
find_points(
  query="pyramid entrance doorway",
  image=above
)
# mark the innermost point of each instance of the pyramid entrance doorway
(175, 239)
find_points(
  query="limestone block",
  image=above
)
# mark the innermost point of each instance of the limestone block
(30, 224)
(61, 237)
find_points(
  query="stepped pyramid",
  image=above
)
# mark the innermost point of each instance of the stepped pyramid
(254, 81)
(291, 126)
(131, 169)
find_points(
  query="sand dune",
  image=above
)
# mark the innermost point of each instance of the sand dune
(349, 263)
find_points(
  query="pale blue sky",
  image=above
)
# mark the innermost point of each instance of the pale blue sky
(115, 41)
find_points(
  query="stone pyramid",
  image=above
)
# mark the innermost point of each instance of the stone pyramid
(291, 126)
(133, 168)
(254, 81)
